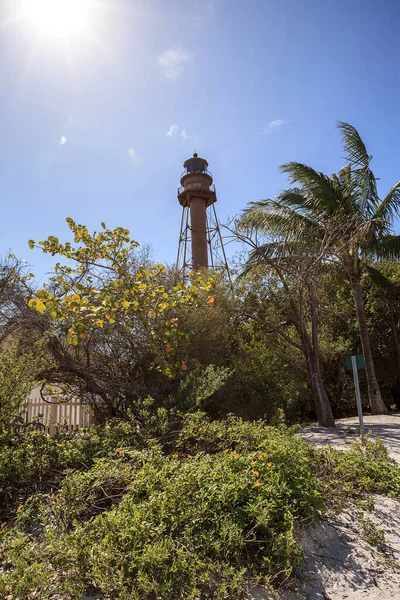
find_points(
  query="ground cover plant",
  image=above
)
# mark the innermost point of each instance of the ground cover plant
(194, 509)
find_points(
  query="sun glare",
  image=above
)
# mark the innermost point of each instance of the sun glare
(58, 18)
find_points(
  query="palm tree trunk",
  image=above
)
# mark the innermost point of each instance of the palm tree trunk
(374, 394)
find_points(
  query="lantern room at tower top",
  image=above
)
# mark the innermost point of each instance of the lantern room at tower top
(196, 178)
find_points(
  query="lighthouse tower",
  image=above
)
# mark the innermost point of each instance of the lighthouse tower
(200, 241)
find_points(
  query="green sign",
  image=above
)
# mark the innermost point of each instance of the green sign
(359, 362)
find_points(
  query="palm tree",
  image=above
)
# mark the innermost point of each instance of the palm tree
(345, 211)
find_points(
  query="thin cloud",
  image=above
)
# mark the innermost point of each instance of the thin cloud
(173, 131)
(176, 131)
(63, 140)
(172, 62)
(275, 124)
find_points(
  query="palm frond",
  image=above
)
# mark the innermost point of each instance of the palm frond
(354, 148)
(367, 192)
(293, 197)
(367, 234)
(378, 278)
(272, 253)
(284, 216)
(320, 192)
(387, 247)
(389, 207)
(345, 179)
(253, 215)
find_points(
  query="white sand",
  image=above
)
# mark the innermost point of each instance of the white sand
(340, 563)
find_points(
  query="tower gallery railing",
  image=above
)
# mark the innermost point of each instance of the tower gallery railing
(209, 188)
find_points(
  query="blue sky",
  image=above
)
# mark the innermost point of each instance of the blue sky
(97, 126)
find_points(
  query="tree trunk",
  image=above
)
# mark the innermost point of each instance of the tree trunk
(311, 353)
(326, 417)
(321, 400)
(375, 399)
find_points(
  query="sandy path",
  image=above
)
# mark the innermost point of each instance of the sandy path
(387, 427)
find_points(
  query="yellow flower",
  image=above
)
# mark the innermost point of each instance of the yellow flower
(121, 451)
(269, 464)
(214, 474)
(200, 429)
(190, 456)
(181, 434)
(297, 438)
(253, 463)
(260, 457)
(227, 450)
(256, 473)
(58, 497)
(20, 507)
(257, 484)
(175, 456)
(236, 456)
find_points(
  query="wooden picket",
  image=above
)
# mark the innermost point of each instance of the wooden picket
(72, 415)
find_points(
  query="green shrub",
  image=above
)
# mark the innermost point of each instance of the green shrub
(175, 507)
(32, 461)
(200, 434)
(140, 523)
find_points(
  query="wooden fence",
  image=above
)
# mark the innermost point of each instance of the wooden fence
(72, 415)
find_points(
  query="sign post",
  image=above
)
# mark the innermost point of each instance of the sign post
(356, 362)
